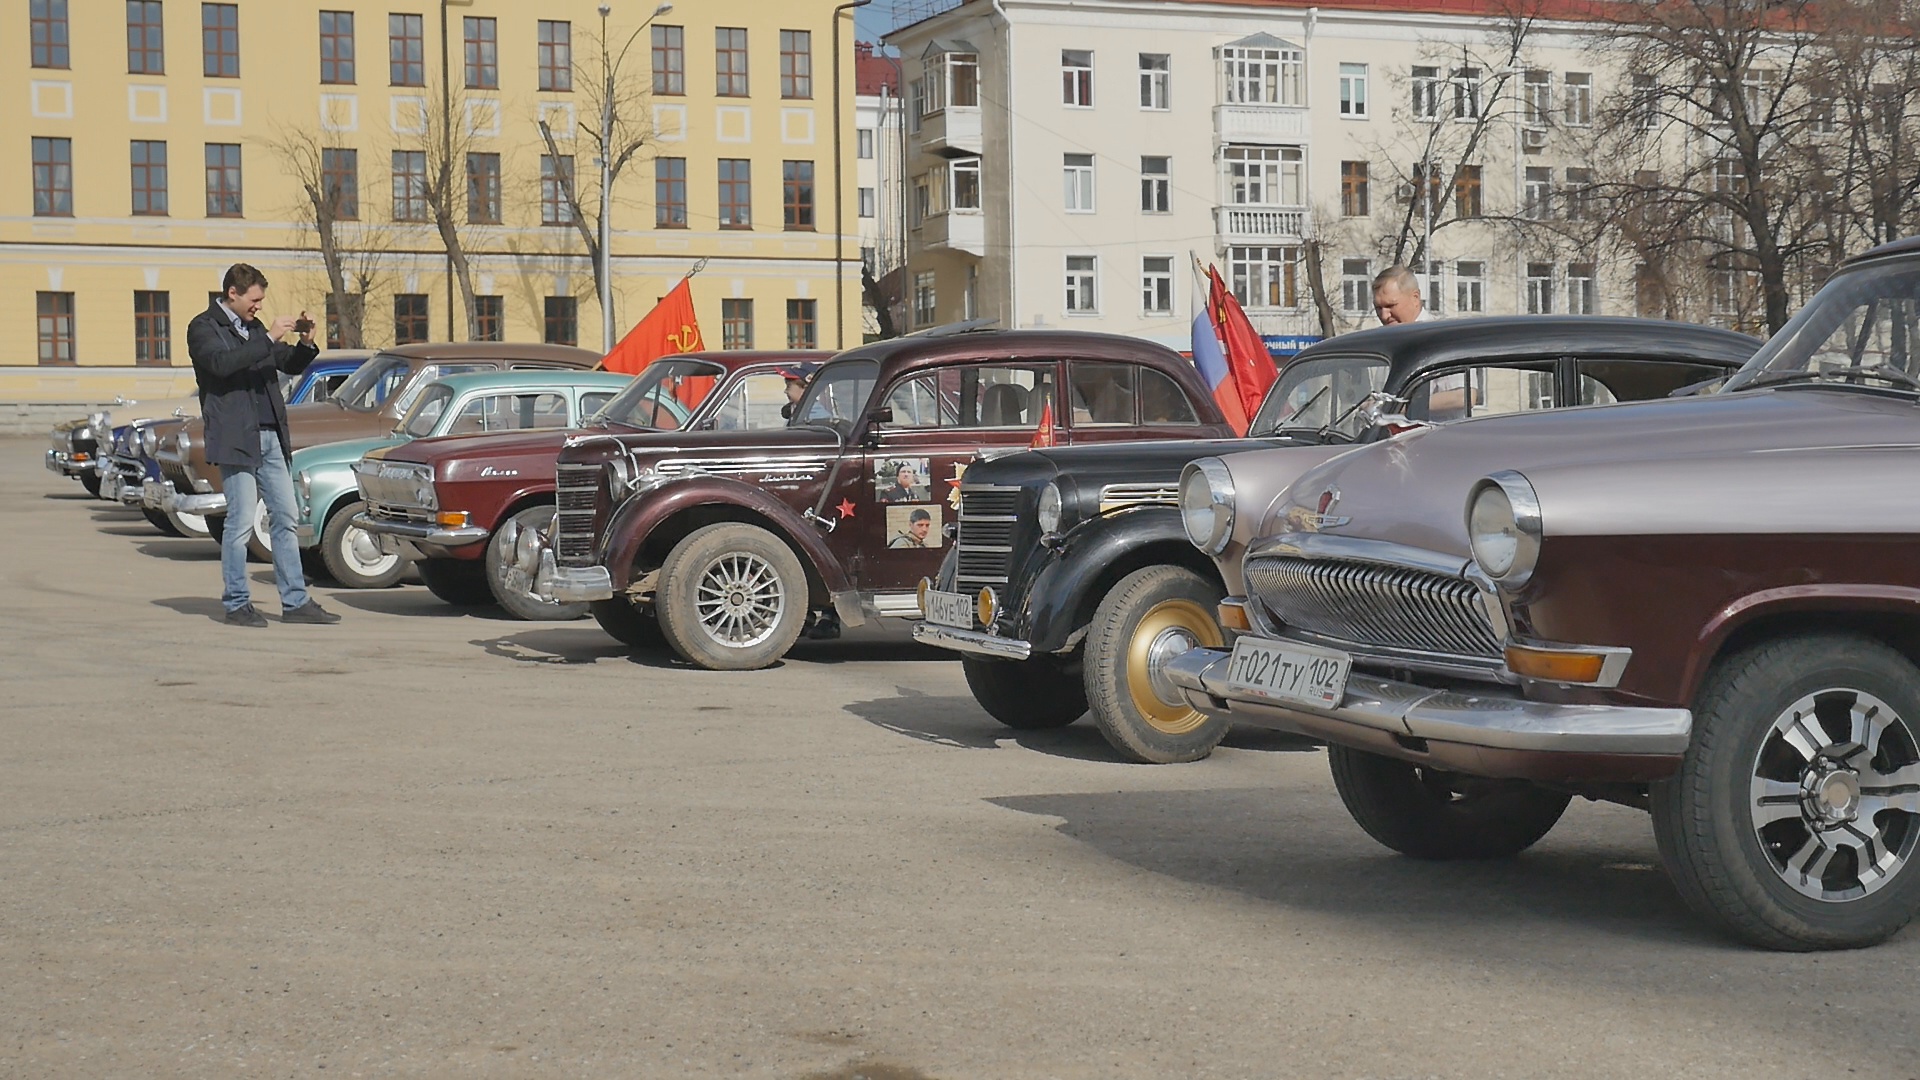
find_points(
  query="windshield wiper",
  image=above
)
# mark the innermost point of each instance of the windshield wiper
(1886, 372)
(1311, 402)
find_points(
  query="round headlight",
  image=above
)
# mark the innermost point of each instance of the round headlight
(1049, 512)
(149, 442)
(182, 442)
(1503, 527)
(305, 483)
(1206, 504)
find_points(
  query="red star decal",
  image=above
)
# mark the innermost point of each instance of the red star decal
(846, 508)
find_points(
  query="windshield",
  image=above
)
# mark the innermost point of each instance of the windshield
(426, 412)
(370, 386)
(1314, 393)
(662, 396)
(1862, 326)
(837, 394)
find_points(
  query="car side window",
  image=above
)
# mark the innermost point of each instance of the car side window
(510, 412)
(1482, 390)
(1101, 393)
(1603, 382)
(972, 396)
(593, 403)
(753, 404)
(1162, 401)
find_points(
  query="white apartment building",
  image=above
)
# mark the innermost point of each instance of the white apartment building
(1069, 160)
(879, 145)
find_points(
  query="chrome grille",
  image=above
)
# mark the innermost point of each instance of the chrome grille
(1121, 496)
(988, 516)
(575, 494)
(1373, 604)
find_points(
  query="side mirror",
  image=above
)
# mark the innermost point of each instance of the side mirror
(881, 415)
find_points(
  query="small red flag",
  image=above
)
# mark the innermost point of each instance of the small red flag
(1044, 436)
(668, 329)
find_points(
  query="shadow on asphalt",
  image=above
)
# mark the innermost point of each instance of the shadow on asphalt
(195, 605)
(182, 550)
(958, 721)
(70, 496)
(142, 531)
(414, 602)
(557, 644)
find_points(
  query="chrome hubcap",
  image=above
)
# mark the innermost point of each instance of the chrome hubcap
(1835, 794)
(1168, 644)
(740, 600)
(262, 524)
(364, 554)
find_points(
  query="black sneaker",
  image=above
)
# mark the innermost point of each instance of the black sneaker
(245, 615)
(309, 612)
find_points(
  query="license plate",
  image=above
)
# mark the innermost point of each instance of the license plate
(1285, 671)
(949, 609)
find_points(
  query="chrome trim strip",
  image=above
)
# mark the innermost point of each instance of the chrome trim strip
(419, 532)
(203, 505)
(1358, 549)
(971, 642)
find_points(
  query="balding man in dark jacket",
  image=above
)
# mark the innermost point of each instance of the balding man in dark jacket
(237, 361)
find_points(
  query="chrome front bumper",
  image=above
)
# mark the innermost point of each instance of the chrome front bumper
(62, 462)
(202, 505)
(971, 642)
(571, 584)
(418, 532)
(1489, 733)
(154, 494)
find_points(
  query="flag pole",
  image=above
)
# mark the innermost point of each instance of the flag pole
(698, 265)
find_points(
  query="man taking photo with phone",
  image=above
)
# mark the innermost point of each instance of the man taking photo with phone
(237, 361)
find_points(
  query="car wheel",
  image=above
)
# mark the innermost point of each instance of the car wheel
(159, 520)
(628, 624)
(1432, 814)
(353, 557)
(260, 536)
(513, 587)
(1028, 695)
(197, 526)
(460, 582)
(732, 597)
(91, 481)
(1150, 617)
(1795, 816)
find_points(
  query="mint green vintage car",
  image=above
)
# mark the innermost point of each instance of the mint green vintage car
(483, 403)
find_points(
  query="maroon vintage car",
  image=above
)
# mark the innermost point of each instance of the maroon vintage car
(487, 492)
(726, 543)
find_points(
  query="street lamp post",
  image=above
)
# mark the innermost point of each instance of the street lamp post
(609, 69)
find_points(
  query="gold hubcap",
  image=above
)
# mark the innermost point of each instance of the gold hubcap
(1168, 629)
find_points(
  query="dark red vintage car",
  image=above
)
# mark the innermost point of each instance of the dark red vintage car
(724, 544)
(459, 505)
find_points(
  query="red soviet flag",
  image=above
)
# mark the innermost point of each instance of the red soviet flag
(1044, 435)
(669, 328)
(1249, 364)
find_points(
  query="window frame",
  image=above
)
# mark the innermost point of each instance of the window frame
(335, 69)
(1156, 82)
(556, 177)
(553, 49)
(730, 60)
(406, 50)
(797, 196)
(346, 197)
(480, 51)
(414, 193)
(1078, 181)
(146, 38)
(670, 193)
(1265, 277)
(405, 318)
(562, 312)
(803, 323)
(736, 323)
(152, 328)
(1156, 285)
(735, 178)
(50, 33)
(223, 191)
(489, 317)
(796, 65)
(52, 176)
(1356, 189)
(1081, 295)
(1156, 184)
(55, 329)
(486, 183)
(144, 189)
(223, 34)
(1076, 79)
(1354, 91)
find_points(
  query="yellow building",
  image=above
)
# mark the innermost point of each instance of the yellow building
(160, 143)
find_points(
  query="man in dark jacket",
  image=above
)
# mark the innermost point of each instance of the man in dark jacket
(237, 361)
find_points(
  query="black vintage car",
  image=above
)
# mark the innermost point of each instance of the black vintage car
(1071, 581)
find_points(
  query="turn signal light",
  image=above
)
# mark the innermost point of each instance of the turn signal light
(1233, 615)
(453, 519)
(1555, 665)
(987, 606)
(920, 595)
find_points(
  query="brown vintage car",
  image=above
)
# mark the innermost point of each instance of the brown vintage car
(1707, 607)
(369, 403)
(725, 543)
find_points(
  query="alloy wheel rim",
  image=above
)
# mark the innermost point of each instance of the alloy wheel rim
(1168, 629)
(1835, 794)
(739, 599)
(364, 555)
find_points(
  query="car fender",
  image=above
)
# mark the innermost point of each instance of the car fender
(1090, 558)
(329, 485)
(656, 504)
(1806, 603)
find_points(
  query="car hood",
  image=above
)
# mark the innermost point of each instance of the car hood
(1756, 461)
(345, 452)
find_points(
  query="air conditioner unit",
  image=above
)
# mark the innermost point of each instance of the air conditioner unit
(1533, 140)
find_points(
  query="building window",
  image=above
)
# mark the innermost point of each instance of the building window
(1156, 185)
(1645, 106)
(736, 193)
(1266, 175)
(801, 324)
(146, 38)
(488, 315)
(669, 193)
(340, 182)
(406, 51)
(1539, 288)
(669, 60)
(1536, 97)
(966, 183)
(1355, 199)
(1537, 197)
(556, 179)
(1356, 286)
(152, 328)
(410, 185)
(1082, 274)
(1078, 172)
(950, 79)
(52, 177)
(223, 180)
(149, 178)
(1428, 189)
(556, 55)
(562, 321)
(55, 319)
(1426, 93)
(736, 324)
(409, 318)
(1076, 78)
(1582, 296)
(1579, 87)
(1156, 285)
(336, 47)
(220, 40)
(865, 202)
(1578, 198)
(796, 195)
(1353, 90)
(1264, 277)
(482, 53)
(1649, 293)
(1469, 287)
(863, 143)
(730, 61)
(483, 189)
(48, 22)
(922, 204)
(1466, 93)
(1265, 76)
(796, 63)
(1434, 278)
(1156, 81)
(1466, 192)
(924, 307)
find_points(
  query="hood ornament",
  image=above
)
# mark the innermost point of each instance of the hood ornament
(1324, 517)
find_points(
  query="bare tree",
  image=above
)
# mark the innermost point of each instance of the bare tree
(352, 249)
(451, 184)
(1866, 122)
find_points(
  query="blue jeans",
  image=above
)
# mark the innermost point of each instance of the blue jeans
(243, 486)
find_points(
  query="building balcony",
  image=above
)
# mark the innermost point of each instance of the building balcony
(1260, 124)
(1259, 224)
(956, 230)
(952, 132)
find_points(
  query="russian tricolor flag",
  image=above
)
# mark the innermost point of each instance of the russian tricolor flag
(1229, 354)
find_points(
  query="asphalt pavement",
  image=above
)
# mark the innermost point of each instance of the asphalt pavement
(427, 842)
